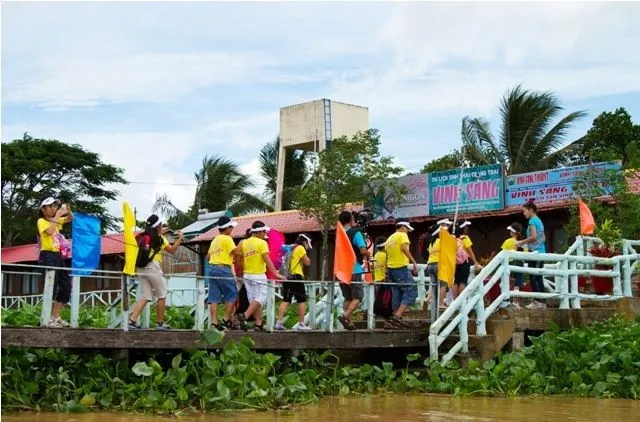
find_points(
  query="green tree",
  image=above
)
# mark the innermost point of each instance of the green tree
(295, 173)
(529, 139)
(32, 168)
(613, 136)
(221, 186)
(342, 171)
(446, 162)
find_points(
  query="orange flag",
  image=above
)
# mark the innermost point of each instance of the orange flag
(587, 224)
(344, 258)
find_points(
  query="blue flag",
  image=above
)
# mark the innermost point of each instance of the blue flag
(85, 246)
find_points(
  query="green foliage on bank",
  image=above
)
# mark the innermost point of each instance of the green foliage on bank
(602, 360)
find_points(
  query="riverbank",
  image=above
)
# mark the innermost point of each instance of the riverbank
(602, 360)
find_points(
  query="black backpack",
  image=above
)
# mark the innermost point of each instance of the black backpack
(144, 240)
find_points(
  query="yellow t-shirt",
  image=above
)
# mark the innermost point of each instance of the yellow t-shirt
(393, 246)
(159, 256)
(296, 260)
(434, 252)
(47, 241)
(510, 245)
(380, 266)
(466, 241)
(220, 250)
(252, 250)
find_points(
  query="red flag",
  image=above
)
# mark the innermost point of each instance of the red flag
(344, 258)
(587, 224)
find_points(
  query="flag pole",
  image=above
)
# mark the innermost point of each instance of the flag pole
(458, 197)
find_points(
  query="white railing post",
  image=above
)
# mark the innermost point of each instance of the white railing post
(370, 290)
(505, 280)
(573, 278)
(145, 317)
(199, 305)
(617, 285)
(481, 324)
(627, 249)
(328, 310)
(311, 321)
(75, 301)
(562, 285)
(47, 297)
(124, 303)
(271, 305)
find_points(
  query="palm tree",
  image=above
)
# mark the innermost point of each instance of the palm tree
(221, 186)
(528, 139)
(295, 172)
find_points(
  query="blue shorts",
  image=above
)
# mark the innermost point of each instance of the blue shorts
(406, 292)
(222, 288)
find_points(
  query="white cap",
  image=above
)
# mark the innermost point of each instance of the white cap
(406, 224)
(307, 238)
(261, 229)
(465, 224)
(436, 232)
(511, 229)
(48, 201)
(445, 221)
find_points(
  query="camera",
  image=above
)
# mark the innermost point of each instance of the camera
(363, 218)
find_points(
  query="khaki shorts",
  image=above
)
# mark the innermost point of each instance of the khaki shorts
(152, 281)
(257, 288)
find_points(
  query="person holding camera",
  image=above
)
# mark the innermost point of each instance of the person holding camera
(354, 292)
(404, 288)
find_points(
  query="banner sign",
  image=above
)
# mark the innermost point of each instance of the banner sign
(414, 203)
(548, 186)
(482, 190)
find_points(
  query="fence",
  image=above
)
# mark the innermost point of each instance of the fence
(563, 271)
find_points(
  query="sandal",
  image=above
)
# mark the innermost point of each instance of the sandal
(242, 320)
(398, 321)
(259, 327)
(219, 327)
(346, 324)
(229, 325)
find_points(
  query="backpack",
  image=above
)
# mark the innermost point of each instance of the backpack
(144, 240)
(285, 262)
(461, 254)
(382, 305)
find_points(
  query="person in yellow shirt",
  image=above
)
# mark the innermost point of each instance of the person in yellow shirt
(380, 261)
(222, 284)
(151, 278)
(383, 304)
(434, 259)
(290, 290)
(403, 287)
(52, 218)
(255, 255)
(463, 270)
(511, 244)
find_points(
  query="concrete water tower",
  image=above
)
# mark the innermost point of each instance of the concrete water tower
(311, 127)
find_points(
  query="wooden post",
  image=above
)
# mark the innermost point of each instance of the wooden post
(271, 305)
(371, 297)
(199, 305)
(124, 315)
(75, 301)
(47, 297)
(562, 285)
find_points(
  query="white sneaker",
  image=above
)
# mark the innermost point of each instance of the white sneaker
(279, 326)
(63, 323)
(536, 305)
(53, 323)
(302, 327)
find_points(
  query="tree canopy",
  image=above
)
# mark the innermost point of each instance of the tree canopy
(33, 168)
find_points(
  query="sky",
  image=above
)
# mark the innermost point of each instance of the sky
(168, 83)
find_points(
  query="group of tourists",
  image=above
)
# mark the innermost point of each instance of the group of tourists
(237, 273)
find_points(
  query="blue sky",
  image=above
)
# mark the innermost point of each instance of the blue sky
(171, 82)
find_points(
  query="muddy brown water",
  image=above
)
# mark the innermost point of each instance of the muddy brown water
(397, 409)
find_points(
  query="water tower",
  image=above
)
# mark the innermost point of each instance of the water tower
(311, 127)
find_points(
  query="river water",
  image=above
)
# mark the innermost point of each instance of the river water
(397, 409)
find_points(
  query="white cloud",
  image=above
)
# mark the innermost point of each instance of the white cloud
(252, 169)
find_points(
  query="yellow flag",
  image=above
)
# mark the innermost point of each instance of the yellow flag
(130, 245)
(447, 264)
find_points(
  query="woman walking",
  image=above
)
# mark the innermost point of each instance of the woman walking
(464, 257)
(535, 241)
(52, 218)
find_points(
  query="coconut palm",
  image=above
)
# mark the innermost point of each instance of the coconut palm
(295, 172)
(221, 186)
(528, 139)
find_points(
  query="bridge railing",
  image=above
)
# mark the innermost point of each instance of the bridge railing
(562, 271)
(118, 302)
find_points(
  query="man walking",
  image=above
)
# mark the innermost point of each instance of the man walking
(405, 290)
(354, 292)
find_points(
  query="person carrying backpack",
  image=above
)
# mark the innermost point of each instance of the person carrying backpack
(463, 255)
(382, 305)
(52, 218)
(354, 292)
(151, 244)
(292, 269)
